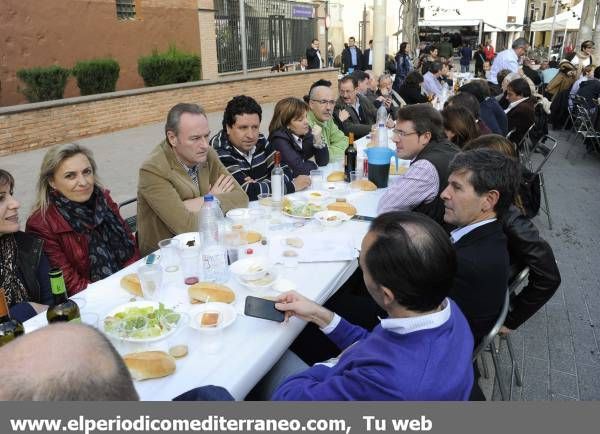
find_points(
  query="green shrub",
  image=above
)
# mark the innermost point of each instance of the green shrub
(43, 83)
(96, 75)
(172, 66)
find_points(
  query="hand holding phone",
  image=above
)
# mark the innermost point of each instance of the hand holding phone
(262, 308)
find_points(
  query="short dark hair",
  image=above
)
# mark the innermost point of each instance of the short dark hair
(520, 87)
(587, 44)
(490, 170)
(478, 88)
(348, 77)
(462, 123)
(174, 116)
(7, 178)
(597, 72)
(414, 78)
(425, 119)
(240, 105)
(412, 257)
(502, 75)
(465, 100)
(435, 67)
(360, 75)
(318, 83)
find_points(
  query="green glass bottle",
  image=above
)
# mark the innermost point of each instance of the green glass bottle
(9, 328)
(63, 308)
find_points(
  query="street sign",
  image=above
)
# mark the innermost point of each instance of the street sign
(301, 11)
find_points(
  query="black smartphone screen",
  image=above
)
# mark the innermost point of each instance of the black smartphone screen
(261, 308)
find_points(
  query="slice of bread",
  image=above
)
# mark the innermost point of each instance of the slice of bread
(204, 292)
(149, 364)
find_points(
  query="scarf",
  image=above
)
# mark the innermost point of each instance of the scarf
(109, 244)
(14, 289)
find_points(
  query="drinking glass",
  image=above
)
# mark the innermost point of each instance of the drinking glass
(316, 179)
(150, 276)
(233, 240)
(258, 219)
(169, 254)
(355, 176)
(190, 265)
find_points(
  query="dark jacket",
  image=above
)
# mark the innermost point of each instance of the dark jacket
(590, 90)
(403, 67)
(527, 248)
(533, 75)
(493, 116)
(466, 54)
(259, 169)
(481, 280)
(67, 249)
(520, 118)
(412, 94)
(33, 270)
(296, 158)
(365, 60)
(312, 58)
(347, 59)
(439, 154)
(358, 123)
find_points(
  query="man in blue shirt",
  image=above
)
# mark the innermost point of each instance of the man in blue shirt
(351, 57)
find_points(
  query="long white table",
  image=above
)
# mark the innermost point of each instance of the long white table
(250, 346)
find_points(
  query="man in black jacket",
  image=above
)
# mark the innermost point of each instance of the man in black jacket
(353, 113)
(481, 187)
(351, 57)
(313, 55)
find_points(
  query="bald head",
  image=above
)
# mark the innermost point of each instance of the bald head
(64, 362)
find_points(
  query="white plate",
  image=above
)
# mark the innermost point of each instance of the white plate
(315, 195)
(331, 218)
(244, 214)
(253, 285)
(143, 303)
(227, 315)
(188, 236)
(336, 189)
(284, 285)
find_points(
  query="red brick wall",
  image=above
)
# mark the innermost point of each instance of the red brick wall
(32, 126)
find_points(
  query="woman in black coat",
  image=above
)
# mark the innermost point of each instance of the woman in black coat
(291, 135)
(520, 112)
(411, 91)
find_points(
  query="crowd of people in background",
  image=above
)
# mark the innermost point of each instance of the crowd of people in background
(436, 263)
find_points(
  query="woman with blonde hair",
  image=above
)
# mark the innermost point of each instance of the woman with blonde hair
(23, 265)
(291, 135)
(83, 232)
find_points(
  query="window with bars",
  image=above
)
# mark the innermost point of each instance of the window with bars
(125, 9)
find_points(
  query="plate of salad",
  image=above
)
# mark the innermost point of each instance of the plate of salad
(300, 209)
(142, 321)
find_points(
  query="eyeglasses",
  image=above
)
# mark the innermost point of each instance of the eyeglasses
(401, 133)
(324, 101)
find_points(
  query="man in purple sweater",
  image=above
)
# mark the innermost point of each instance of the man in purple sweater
(421, 351)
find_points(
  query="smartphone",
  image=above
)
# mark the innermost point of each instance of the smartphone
(363, 218)
(261, 308)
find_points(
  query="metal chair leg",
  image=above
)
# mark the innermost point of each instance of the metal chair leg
(547, 210)
(513, 362)
(499, 379)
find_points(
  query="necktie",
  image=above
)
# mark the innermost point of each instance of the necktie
(193, 173)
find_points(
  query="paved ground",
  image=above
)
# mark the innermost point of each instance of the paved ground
(557, 350)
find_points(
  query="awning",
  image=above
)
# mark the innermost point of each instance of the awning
(449, 23)
(563, 20)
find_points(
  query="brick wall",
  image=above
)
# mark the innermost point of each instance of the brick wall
(31, 126)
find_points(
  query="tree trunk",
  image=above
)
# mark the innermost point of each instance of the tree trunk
(586, 23)
(410, 23)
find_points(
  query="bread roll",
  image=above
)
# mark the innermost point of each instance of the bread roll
(344, 207)
(205, 292)
(149, 364)
(365, 185)
(401, 170)
(335, 176)
(131, 283)
(253, 237)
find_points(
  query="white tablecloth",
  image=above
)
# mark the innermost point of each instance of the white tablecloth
(250, 346)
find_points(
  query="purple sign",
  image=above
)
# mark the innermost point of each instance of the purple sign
(301, 11)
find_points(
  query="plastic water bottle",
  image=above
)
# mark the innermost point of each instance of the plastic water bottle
(214, 254)
(382, 137)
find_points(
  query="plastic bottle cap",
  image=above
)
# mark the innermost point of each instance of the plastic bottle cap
(208, 198)
(249, 251)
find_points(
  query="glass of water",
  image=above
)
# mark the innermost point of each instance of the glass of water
(150, 276)
(169, 254)
(316, 179)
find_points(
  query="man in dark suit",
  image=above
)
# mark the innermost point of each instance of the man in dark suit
(367, 57)
(352, 57)
(353, 112)
(313, 55)
(481, 187)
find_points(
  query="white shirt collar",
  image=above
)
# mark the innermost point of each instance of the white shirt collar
(512, 105)
(248, 156)
(404, 326)
(298, 140)
(457, 234)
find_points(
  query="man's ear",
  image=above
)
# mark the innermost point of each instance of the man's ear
(172, 138)
(388, 296)
(491, 199)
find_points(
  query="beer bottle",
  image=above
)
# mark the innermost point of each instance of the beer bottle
(63, 308)
(9, 328)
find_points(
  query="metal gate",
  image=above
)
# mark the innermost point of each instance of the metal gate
(273, 32)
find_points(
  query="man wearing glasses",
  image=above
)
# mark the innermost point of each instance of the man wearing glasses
(321, 103)
(419, 137)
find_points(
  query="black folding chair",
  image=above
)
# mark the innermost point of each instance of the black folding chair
(131, 220)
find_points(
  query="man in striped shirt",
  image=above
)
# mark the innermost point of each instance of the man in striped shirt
(246, 153)
(419, 136)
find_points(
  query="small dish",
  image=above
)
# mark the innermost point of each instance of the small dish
(227, 316)
(331, 218)
(189, 239)
(250, 269)
(264, 283)
(315, 195)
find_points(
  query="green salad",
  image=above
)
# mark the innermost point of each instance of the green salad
(300, 209)
(142, 322)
